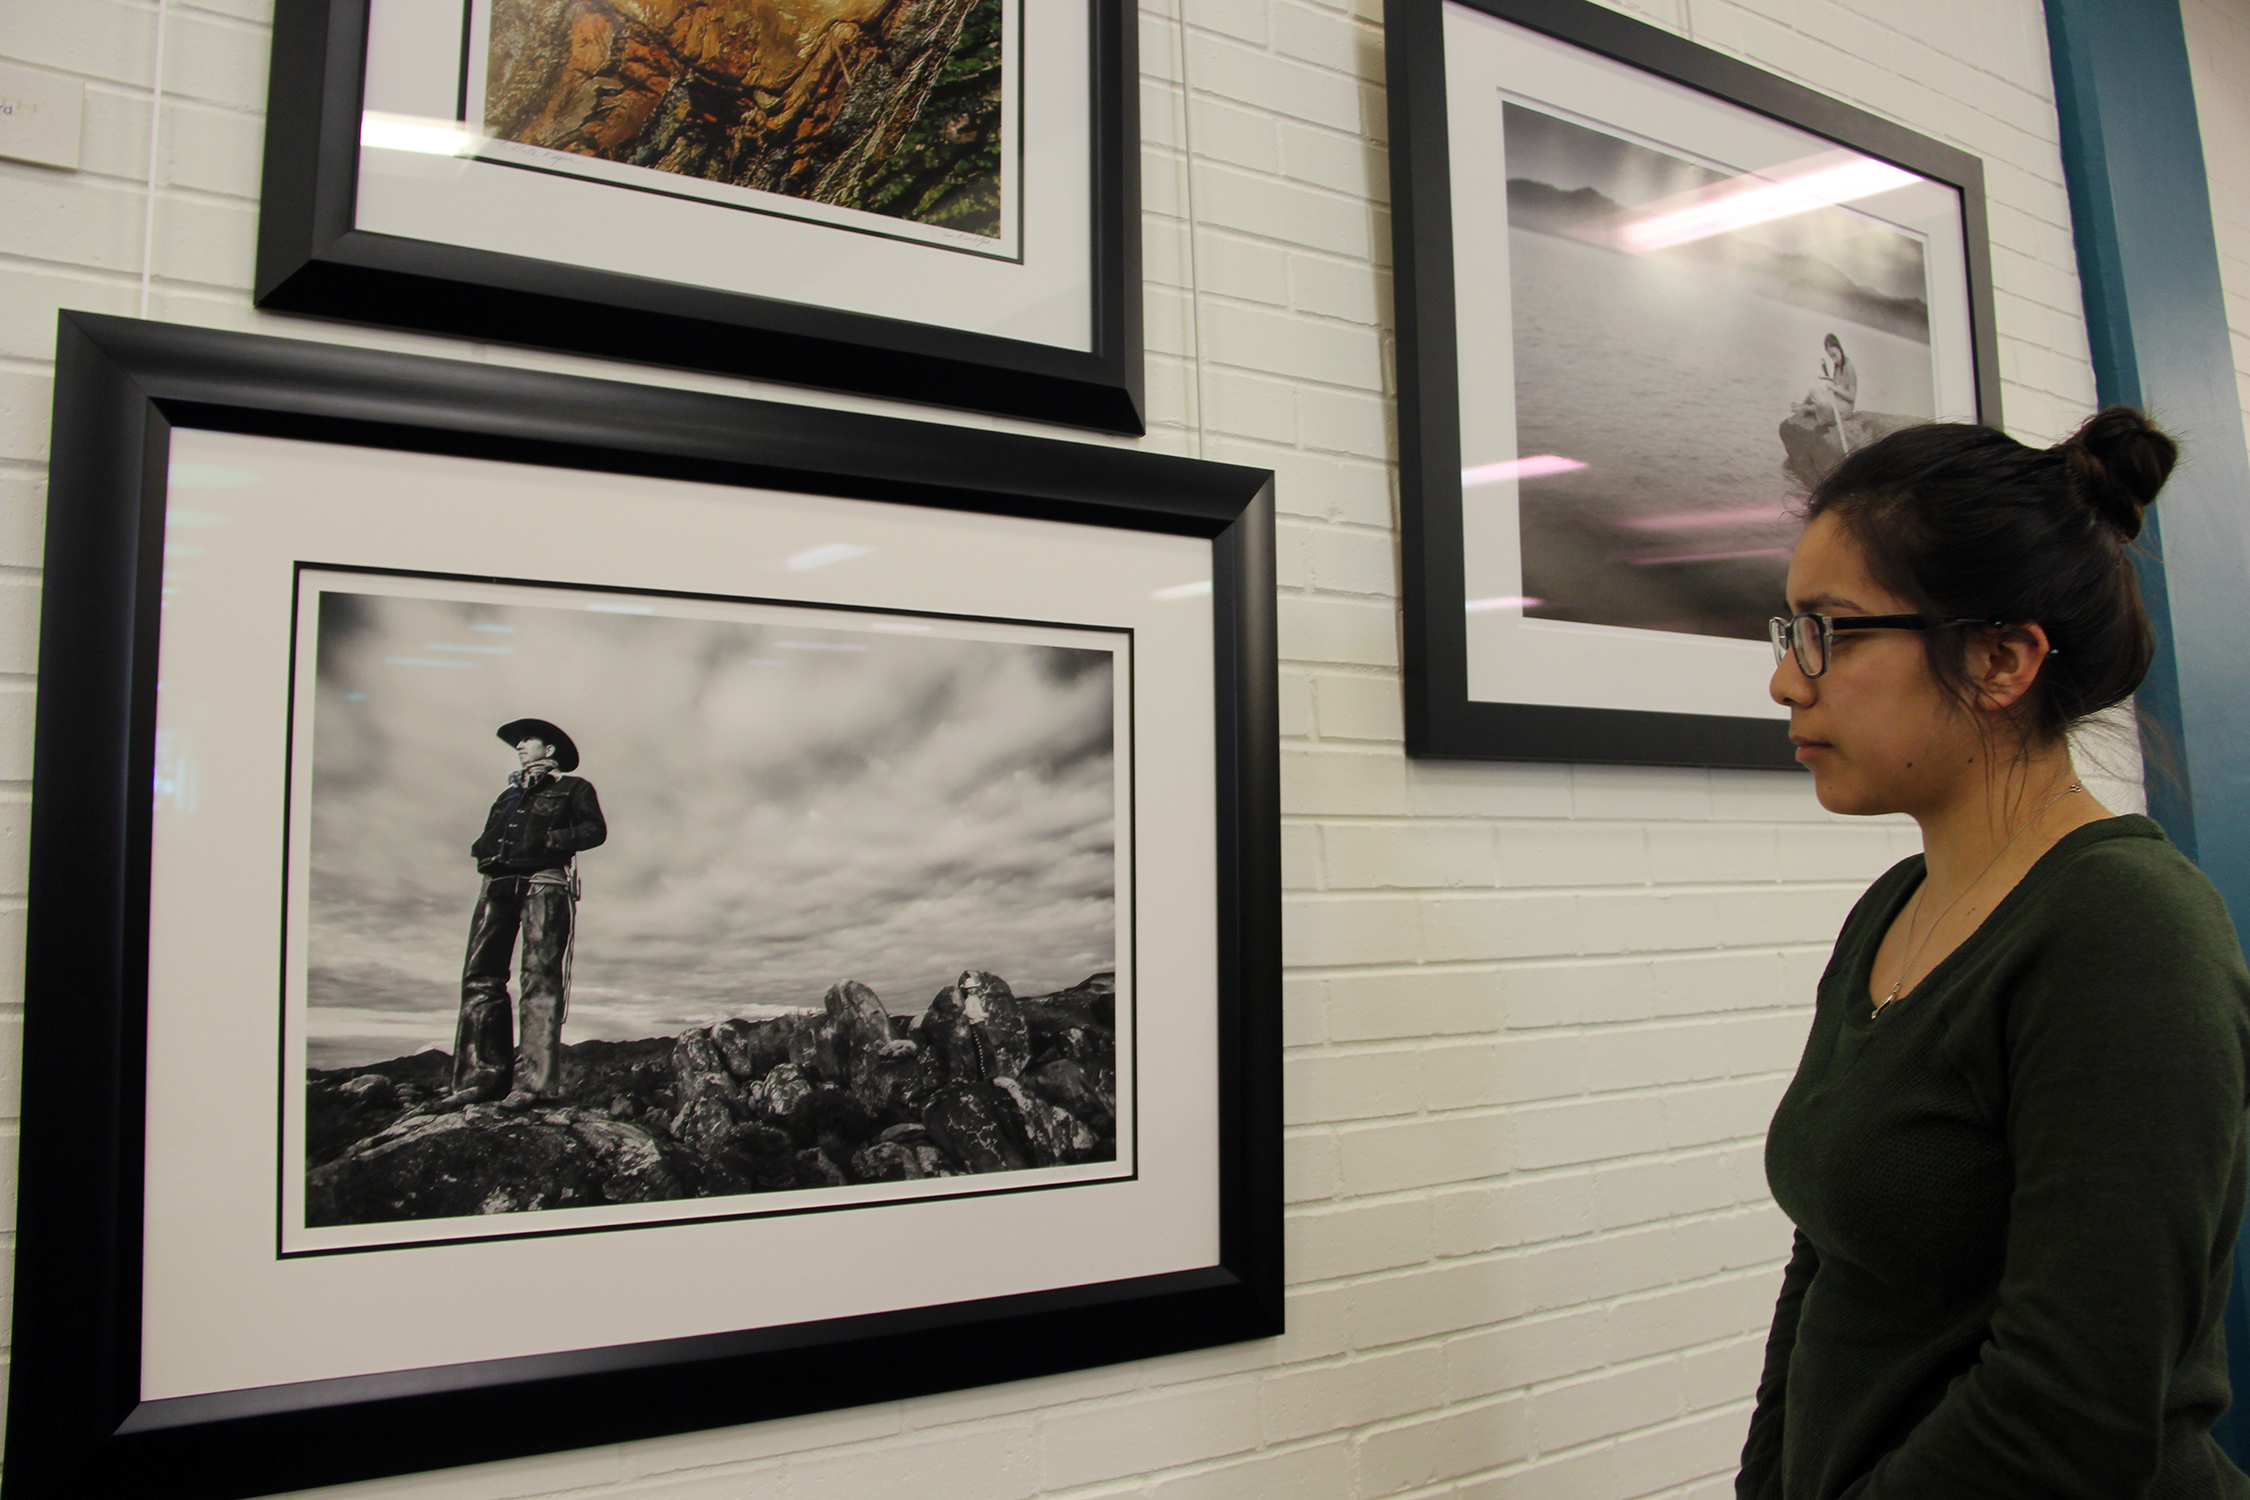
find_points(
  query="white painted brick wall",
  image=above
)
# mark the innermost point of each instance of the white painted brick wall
(1537, 1015)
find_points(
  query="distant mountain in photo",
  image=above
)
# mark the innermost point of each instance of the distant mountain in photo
(1804, 280)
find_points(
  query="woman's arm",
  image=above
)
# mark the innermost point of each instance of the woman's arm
(2124, 1114)
(1760, 1476)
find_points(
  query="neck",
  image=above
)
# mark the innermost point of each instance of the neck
(2003, 815)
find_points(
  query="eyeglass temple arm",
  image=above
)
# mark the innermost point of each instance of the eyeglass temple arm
(1905, 622)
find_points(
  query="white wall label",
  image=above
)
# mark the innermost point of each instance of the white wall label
(40, 114)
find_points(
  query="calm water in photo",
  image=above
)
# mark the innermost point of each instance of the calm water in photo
(1669, 383)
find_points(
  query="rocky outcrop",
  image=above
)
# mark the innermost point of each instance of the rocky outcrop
(982, 1081)
(821, 105)
(479, 1161)
(1065, 1083)
(1811, 446)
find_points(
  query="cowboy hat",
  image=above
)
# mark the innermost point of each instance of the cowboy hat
(516, 731)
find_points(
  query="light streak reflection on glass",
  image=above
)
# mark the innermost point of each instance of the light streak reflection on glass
(1820, 181)
(1533, 467)
(419, 134)
(1706, 520)
(176, 777)
(821, 557)
(1661, 559)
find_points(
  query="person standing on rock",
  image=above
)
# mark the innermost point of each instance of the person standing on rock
(527, 855)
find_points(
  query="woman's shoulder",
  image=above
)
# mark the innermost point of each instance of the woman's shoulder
(2115, 912)
(2123, 871)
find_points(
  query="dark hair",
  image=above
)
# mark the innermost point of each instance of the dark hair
(1833, 342)
(1959, 519)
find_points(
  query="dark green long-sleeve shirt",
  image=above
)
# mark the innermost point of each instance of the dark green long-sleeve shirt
(2016, 1193)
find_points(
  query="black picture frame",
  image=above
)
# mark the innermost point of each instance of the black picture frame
(77, 1423)
(1441, 719)
(312, 260)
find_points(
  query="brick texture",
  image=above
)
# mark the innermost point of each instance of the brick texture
(1537, 1015)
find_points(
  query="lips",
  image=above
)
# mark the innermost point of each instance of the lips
(1808, 748)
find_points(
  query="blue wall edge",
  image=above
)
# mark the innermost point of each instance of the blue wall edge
(2156, 326)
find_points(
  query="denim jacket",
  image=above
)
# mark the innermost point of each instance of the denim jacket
(540, 831)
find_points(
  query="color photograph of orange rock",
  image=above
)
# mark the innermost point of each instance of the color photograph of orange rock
(890, 107)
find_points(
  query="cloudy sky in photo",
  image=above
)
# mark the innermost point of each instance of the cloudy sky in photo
(1567, 155)
(788, 805)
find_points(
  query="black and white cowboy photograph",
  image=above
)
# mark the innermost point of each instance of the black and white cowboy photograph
(619, 901)
(1694, 349)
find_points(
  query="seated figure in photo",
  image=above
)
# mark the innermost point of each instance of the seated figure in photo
(1836, 391)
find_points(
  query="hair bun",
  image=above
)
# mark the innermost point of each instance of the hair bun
(2121, 459)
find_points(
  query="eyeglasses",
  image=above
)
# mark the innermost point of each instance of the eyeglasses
(1811, 636)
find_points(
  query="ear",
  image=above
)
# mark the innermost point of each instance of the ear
(2003, 663)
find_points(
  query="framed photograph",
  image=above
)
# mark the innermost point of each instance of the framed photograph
(1647, 296)
(564, 912)
(934, 200)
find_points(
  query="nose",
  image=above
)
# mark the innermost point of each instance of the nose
(1790, 687)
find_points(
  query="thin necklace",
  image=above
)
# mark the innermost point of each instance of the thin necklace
(1907, 967)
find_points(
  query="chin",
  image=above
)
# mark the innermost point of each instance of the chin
(1840, 795)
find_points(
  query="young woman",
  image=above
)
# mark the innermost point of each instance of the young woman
(2014, 1149)
(1837, 389)
(1835, 394)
